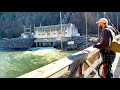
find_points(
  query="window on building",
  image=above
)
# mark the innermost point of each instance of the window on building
(53, 29)
(40, 29)
(65, 28)
(65, 32)
(48, 33)
(54, 33)
(38, 34)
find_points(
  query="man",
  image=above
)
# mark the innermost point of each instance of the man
(108, 56)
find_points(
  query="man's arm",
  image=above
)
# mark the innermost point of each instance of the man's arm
(106, 40)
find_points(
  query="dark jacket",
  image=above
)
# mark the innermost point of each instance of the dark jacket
(105, 39)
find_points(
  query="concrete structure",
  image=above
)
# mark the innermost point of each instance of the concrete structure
(27, 33)
(47, 35)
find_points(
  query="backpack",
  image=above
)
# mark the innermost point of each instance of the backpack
(113, 29)
(115, 44)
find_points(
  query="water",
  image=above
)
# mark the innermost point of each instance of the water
(30, 49)
(14, 62)
(11, 50)
(41, 48)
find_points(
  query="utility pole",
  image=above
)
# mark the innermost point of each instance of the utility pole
(104, 14)
(40, 25)
(61, 31)
(86, 29)
(117, 22)
(98, 27)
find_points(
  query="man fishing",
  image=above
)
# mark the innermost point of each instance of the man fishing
(108, 56)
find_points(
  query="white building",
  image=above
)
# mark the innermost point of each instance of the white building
(53, 32)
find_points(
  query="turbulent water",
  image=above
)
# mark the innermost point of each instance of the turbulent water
(11, 66)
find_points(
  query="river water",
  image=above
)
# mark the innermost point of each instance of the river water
(11, 66)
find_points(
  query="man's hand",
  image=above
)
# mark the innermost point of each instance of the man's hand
(93, 46)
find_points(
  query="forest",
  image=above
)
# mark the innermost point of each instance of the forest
(12, 23)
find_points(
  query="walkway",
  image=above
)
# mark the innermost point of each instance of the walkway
(116, 66)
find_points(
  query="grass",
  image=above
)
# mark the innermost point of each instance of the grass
(14, 64)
